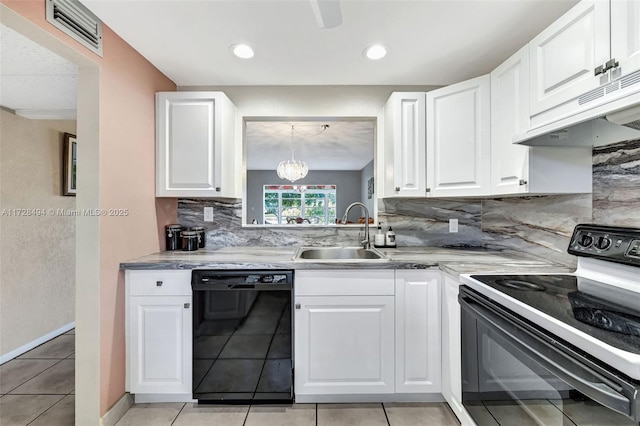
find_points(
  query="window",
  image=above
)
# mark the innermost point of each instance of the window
(314, 204)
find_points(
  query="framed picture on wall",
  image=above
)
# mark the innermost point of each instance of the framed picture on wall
(69, 165)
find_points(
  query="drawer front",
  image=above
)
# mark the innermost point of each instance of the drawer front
(345, 282)
(159, 283)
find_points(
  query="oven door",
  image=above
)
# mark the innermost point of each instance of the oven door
(516, 374)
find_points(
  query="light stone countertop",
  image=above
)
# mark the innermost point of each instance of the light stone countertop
(453, 261)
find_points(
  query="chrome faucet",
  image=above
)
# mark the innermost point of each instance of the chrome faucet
(365, 242)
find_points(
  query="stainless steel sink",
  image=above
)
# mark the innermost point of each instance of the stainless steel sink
(340, 254)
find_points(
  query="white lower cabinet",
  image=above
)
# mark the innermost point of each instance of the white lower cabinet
(158, 332)
(367, 332)
(417, 331)
(451, 347)
(344, 343)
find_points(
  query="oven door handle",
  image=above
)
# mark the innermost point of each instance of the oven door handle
(605, 392)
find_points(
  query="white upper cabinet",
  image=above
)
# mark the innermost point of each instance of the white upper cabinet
(565, 55)
(195, 145)
(404, 133)
(509, 116)
(518, 169)
(458, 139)
(625, 35)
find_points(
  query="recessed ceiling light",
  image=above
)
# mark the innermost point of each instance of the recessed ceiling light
(243, 51)
(377, 51)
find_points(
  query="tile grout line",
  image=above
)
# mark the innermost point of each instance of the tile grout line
(316, 414)
(49, 408)
(177, 415)
(31, 378)
(246, 416)
(384, 410)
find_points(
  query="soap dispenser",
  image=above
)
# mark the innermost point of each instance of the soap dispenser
(390, 239)
(379, 237)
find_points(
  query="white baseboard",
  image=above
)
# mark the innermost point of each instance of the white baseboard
(118, 410)
(34, 343)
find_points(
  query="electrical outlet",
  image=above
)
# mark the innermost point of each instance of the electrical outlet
(453, 225)
(208, 214)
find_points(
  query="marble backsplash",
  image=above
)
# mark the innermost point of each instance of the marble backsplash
(539, 226)
(616, 184)
(227, 230)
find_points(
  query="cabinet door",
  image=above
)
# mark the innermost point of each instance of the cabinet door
(451, 352)
(625, 35)
(509, 116)
(160, 344)
(405, 142)
(418, 332)
(564, 56)
(188, 153)
(344, 345)
(458, 139)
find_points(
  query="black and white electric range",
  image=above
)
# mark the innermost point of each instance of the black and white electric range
(557, 349)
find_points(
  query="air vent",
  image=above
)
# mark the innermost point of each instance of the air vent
(591, 96)
(631, 79)
(612, 87)
(633, 125)
(75, 20)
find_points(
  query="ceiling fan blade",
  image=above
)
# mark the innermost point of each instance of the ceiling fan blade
(327, 13)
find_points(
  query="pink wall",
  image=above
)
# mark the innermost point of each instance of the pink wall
(128, 83)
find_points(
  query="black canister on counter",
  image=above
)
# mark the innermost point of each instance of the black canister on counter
(172, 236)
(189, 240)
(201, 235)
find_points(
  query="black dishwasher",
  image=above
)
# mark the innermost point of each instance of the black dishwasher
(242, 350)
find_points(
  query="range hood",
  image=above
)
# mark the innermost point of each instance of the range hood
(612, 117)
(629, 117)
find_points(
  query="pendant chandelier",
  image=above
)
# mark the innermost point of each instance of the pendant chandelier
(292, 170)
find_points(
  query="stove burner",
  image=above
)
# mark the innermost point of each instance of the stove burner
(520, 285)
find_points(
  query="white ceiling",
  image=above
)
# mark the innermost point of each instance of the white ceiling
(344, 145)
(34, 81)
(430, 42)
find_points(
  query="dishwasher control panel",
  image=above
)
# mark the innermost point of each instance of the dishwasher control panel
(246, 277)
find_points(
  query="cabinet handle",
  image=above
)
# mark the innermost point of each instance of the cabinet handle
(611, 64)
(217, 189)
(158, 283)
(599, 70)
(428, 190)
(522, 182)
(187, 305)
(397, 189)
(298, 306)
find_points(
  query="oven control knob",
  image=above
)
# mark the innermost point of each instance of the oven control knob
(603, 243)
(586, 241)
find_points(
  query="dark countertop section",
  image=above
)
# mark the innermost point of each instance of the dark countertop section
(454, 261)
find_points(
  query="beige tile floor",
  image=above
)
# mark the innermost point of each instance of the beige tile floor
(414, 414)
(37, 389)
